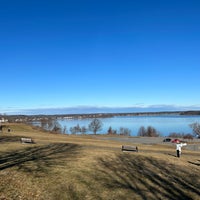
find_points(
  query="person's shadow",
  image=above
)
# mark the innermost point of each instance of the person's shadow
(171, 154)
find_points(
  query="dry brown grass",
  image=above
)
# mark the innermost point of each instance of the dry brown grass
(67, 167)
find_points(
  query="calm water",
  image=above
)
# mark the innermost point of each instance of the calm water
(163, 124)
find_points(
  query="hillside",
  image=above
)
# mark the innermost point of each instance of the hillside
(72, 167)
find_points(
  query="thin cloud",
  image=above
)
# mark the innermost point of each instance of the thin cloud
(98, 109)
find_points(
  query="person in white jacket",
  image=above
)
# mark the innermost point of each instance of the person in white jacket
(178, 148)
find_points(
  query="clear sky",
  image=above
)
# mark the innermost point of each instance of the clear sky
(72, 54)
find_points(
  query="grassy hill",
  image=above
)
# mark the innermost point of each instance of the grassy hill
(72, 167)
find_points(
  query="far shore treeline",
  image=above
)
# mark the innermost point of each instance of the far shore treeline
(24, 118)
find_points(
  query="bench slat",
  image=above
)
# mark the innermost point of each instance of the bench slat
(129, 148)
(27, 140)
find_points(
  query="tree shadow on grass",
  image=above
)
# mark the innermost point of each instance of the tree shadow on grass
(197, 163)
(5, 139)
(148, 178)
(39, 158)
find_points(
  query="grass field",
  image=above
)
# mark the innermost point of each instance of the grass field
(88, 167)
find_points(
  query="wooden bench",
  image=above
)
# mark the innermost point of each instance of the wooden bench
(27, 140)
(129, 148)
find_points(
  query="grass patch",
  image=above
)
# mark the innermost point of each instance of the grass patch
(67, 167)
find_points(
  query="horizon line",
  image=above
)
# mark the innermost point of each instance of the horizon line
(99, 109)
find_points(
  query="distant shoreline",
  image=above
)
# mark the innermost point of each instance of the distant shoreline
(97, 115)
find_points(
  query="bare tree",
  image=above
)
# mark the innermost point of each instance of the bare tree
(124, 131)
(51, 124)
(142, 131)
(111, 131)
(95, 125)
(149, 132)
(44, 123)
(75, 129)
(72, 130)
(196, 128)
(152, 132)
(83, 129)
(57, 128)
(64, 131)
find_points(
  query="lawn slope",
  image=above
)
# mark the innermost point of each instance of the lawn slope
(67, 167)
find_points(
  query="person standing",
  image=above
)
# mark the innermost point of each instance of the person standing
(178, 148)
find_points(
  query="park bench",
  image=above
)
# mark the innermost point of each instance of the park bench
(27, 140)
(129, 148)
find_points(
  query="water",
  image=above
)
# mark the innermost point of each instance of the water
(163, 124)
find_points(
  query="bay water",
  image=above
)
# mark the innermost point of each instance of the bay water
(164, 124)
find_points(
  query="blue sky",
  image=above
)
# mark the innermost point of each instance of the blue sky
(78, 56)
